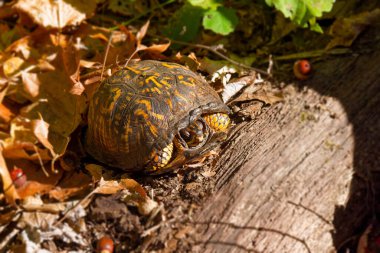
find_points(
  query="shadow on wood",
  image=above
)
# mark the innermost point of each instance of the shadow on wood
(304, 176)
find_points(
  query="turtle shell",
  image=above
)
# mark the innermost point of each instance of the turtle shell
(140, 108)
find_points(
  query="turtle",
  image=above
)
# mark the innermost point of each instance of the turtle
(154, 116)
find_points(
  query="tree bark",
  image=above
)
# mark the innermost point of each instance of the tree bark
(304, 175)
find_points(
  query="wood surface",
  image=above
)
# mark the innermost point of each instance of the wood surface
(304, 175)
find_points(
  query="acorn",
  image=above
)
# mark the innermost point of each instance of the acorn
(105, 245)
(18, 177)
(302, 69)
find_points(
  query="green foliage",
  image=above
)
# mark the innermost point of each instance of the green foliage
(221, 20)
(303, 12)
(213, 15)
(186, 22)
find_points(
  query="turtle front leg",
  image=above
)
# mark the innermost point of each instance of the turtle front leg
(219, 122)
(160, 158)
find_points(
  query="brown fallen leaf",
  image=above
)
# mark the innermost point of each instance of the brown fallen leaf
(41, 130)
(154, 49)
(7, 217)
(12, 66)
(141, 34)
(31, 83)
(56, 14)
(5, 114)
(190, 60)
(72, 184)
(9, 190)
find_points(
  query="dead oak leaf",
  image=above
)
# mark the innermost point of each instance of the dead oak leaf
(56, 14)
(8, 188)
(40, 129)
(31, 83)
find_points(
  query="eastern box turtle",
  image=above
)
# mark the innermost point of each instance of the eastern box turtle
(154, 116)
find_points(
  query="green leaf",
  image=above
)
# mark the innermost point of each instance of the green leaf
(185, 23)
(222, 20)
(206, 4)
(303, 12)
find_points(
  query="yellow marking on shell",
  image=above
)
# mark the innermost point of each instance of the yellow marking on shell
(155, 89)
(217, 121)
(145, 68)
(169, 103)
(180, 77)
(164, 82)
(147, 104)
(116, 95)
(152, 128)
(191, 84)
(179, 95)
(141, 112)
(168, 65)
(154, 80)
(151, 90)
(136, 71)
(158, 116)
(127, 133)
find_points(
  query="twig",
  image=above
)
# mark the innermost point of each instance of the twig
(155, 227)
(218, 54)
(106, 55)
(8, 237)
(75, 206)
(40, 161)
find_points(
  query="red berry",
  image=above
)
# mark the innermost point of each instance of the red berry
(302, 69)
(18, 177)
(105, 245)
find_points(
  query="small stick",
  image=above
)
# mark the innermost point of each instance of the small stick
(106, 55)
(220, 55)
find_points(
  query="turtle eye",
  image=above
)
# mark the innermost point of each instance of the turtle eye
(195, 134)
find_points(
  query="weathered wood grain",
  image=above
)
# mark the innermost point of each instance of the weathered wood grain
(297, 178)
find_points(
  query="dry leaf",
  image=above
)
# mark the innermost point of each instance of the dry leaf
(31, 83)
(70, 185)
(159, 48)
(5, 114)
(108, 186)
(95, 170)
(89, 64)
(7, 217)
(141, 34)
(56, 14)
(41, 130)
(190, 61)
(12, 66)
(8, 188)
(78, 88)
